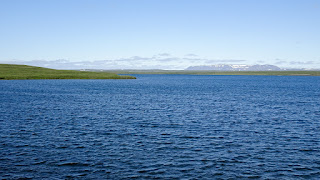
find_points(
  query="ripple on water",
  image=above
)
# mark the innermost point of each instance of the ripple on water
(161, 127)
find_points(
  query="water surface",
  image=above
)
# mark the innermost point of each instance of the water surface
(161, 126)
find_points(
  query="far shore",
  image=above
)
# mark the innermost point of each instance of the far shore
(261, 73)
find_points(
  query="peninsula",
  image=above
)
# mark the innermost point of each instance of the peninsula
(11, 72)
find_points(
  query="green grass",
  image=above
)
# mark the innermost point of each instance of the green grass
(9, 72)
(265, 73)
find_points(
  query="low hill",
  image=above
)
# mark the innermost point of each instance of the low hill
(10, 71)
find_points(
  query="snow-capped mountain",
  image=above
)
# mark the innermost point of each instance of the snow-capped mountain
(235, 67)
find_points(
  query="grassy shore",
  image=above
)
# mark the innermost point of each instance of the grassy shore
(9, 71)
(265, 73)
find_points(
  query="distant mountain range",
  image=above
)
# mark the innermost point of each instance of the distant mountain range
(235, 67)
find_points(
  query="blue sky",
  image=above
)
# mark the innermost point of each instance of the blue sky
(168, 34)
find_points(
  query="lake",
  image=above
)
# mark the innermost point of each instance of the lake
(161, 127)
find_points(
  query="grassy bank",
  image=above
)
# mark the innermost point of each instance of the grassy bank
(265, 73)
(9, 71)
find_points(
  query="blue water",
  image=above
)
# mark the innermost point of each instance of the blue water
(161, 126)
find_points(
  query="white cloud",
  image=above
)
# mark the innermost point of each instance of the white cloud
(164, 54)
(191, 55)
(302, 62)
(280, 62)
(159, 61)
(261, 62)
(223, 61)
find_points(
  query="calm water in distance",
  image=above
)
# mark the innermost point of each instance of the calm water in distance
(161, 126)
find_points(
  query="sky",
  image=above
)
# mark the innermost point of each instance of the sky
(159, 34)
